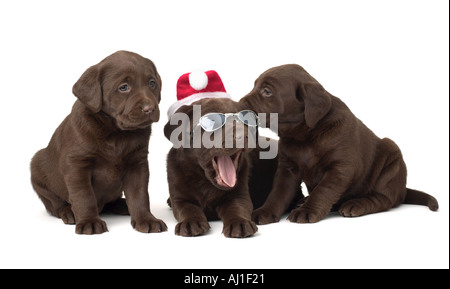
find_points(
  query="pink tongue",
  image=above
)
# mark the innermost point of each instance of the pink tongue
(227, 170)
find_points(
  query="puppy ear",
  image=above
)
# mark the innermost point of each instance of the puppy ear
(317, 102)
(160, 87)
(179, 131)
(168, 129)
(159, 80)
(88, 89)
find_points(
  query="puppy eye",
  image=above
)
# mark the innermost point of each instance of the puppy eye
(266, 92)
(124, 88)
(152, 83)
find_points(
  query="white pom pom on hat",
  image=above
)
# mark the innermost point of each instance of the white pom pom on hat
(198, 80)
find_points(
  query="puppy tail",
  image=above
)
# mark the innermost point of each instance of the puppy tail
(415, 197)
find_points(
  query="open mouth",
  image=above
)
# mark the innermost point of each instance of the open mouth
(226, 167)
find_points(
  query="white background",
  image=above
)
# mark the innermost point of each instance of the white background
(387, 60)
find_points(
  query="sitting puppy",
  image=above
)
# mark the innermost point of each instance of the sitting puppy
(209, 182)
(344, 165)
(100, 150)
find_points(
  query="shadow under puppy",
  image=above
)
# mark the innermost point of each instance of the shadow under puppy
(209, 181)
(344, 165)
(100, 149)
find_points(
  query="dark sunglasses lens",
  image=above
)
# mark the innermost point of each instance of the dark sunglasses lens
(248, 117)
(211, 122)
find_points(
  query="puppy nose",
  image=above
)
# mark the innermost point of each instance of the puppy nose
(147, 109)
(241, 137)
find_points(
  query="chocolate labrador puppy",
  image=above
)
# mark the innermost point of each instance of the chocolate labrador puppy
(344, 165)
(100, 150)
(210, 183)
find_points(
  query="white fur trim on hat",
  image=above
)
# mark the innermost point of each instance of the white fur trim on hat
(193, 98)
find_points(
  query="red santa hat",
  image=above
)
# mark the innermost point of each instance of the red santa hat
(194, 86)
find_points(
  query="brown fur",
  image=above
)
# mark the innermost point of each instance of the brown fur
(195, 194)
(344, 165)
(100, 149)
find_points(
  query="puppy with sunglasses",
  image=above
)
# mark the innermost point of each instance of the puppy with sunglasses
(208, 171)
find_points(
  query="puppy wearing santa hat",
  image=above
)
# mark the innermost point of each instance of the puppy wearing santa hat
(209, 180)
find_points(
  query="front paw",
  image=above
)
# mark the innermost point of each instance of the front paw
(91, 226)
(264, 216)
(149, 224)
(192, 227)
(305, 215)
(240, 228)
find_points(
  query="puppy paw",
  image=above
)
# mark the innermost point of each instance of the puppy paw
(353, 208)
(240, 228)
(91, 227)
(262, 217)
(67, 216)
(149, 224)
(191, 228)
(304, 215)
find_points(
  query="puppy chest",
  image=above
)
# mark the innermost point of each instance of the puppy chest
(118, 149)
(305, 156)
(107, 173)
(310, 162)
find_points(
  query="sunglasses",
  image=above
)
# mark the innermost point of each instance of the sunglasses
(213, 121)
